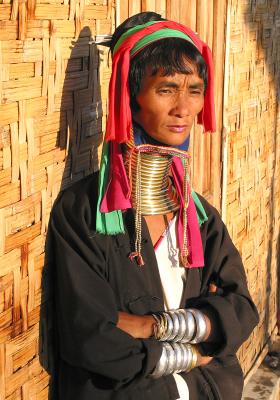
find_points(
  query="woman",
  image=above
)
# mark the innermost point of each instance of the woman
(151, 294)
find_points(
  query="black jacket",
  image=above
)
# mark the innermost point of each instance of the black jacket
(94, 279)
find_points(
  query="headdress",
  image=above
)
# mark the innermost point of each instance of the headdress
(114, 188)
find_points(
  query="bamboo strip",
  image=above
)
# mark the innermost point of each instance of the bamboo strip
(7, 157)
(16, 295)
(2, 234)
(8, 113)
(22, 19)
(97, 12)
(147, 5)
(14, 11)
(31, 289)
(56, 11)
(10, 261)
(8, 30)
(72, 10)
(2, 372)
(15, 152)
(1, 79)
(21, 237)
(188, 13)
(173, 10)
(31, 4)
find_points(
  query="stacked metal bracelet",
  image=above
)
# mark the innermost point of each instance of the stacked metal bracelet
(182, 325)
(175, 358)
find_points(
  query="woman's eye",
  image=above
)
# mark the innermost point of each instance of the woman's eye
(196, 92)
(164, 91)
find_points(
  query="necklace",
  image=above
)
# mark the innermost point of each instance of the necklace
(148, 168)
(151, 171)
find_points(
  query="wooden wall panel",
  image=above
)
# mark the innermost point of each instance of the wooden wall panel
(53, 90)
(53, 98)
(251, 201)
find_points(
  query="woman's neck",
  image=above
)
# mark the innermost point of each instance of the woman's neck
(152, 191)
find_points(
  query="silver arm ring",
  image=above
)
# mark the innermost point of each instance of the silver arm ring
(161, 365)
(182, 327)
(190, 326)
(171, 359)
(179, 356)
(169, 328)
(175, 321)
(201, 327)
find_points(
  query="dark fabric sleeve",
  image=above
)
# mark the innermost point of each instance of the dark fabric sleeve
(221, 379)
(85, 304)
(231, 309)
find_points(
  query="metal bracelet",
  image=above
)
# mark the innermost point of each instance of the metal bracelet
(191, 357)
(156, 326)
(186, 359)
(182, 327)
(171, 359)
(201, 327)
(194, 357)
(175, 357)
(190, 326)
(176, 325)
(169, 329)
(161, 365)
(160, 326)
(179, 356)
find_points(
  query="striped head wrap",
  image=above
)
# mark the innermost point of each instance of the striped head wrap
(130, 43)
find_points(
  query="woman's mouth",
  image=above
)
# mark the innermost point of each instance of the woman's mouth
(177, 128)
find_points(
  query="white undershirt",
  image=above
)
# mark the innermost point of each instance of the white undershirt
(172, 280)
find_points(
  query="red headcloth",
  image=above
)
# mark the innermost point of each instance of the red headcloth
(119, 117)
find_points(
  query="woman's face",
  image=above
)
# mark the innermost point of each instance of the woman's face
(169, 105)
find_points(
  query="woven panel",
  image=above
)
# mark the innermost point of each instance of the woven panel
(252, 208)
(53, 88)
(53, 93)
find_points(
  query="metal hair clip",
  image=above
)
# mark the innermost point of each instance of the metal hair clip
(102, 39)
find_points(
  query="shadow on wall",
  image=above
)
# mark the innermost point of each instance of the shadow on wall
(80, 134)
(263, 19)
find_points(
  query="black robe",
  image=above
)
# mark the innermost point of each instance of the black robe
(94, 279)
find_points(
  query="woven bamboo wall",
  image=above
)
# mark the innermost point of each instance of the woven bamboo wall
(50, 127)
(53, 87)
(252, 144)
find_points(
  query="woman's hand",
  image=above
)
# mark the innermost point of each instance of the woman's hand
(202, 360)
(138, 326)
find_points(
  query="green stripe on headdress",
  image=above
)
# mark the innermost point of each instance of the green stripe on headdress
(200, 212)
(130, 32)
(110, 223)
(152, 37)
(157, 35)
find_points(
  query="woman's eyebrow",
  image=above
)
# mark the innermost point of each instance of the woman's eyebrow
(174, 85)
(166, 83)
(197, 86)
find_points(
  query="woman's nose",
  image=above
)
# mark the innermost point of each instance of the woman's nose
(181, 106)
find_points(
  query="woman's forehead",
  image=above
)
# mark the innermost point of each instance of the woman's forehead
(185, 65)
(178, 78)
